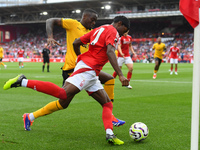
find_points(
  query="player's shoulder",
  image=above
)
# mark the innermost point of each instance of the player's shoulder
(155, 44)
(69, 20)
(129, 36)
(106, 29)
(163, 44)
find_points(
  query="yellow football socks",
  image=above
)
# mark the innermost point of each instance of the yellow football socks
(2, 63)
(155, 71)
(109, 88)
(48, 109)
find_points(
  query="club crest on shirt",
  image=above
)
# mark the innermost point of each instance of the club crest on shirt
(82, 83)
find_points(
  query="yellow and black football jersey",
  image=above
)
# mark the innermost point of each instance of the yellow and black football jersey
(158, 49)
(74, 29)
(1, 52)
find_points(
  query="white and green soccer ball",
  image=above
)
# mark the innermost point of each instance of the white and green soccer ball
(138, 131)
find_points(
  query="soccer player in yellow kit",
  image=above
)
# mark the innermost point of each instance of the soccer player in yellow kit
(75, 29)
(1, 57)
(159, 47)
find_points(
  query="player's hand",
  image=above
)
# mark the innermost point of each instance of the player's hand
(51, 41)
(124, 81)
(123, 55)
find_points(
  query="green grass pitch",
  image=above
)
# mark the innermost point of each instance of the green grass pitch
(164, 105)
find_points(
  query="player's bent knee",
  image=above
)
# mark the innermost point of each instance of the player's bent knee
(104, 77)
(130, 70)
(110, 81)
(64, 103)
(111, 77)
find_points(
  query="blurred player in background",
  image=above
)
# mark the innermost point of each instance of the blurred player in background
(75, 29)
(20, 55)
(125, 44)
(174, 54)
(103, 41)
(159, 47)
(1, 57)
(45, 55)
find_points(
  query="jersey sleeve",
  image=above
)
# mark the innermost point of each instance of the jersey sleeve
(86, 38)
(68, 23)
(112, 38)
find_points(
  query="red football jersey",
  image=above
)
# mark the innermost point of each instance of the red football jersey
(98, 38)
(173, 52)
(125, 41)
(20, 53)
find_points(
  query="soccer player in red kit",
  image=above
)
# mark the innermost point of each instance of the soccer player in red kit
(125, 44)
(103, 41)
(20, 54)
(174, 52)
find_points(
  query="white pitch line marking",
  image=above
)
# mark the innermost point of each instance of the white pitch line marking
(161, 81)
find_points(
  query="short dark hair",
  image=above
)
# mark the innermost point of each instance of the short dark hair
(89, 10)
(125, 21)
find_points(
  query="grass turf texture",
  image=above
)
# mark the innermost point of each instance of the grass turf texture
(164, 105)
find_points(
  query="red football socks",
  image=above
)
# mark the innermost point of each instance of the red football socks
(107, 115)
(47, 88)
(114, 74)
(129, 75)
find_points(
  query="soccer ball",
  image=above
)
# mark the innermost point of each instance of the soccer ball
(138, 131)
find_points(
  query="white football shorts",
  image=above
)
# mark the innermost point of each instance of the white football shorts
(126, 60)
(86, 80)
(20, 59)
(173, 61)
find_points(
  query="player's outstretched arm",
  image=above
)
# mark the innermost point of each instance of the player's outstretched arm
(113, 61)
(49, 29)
